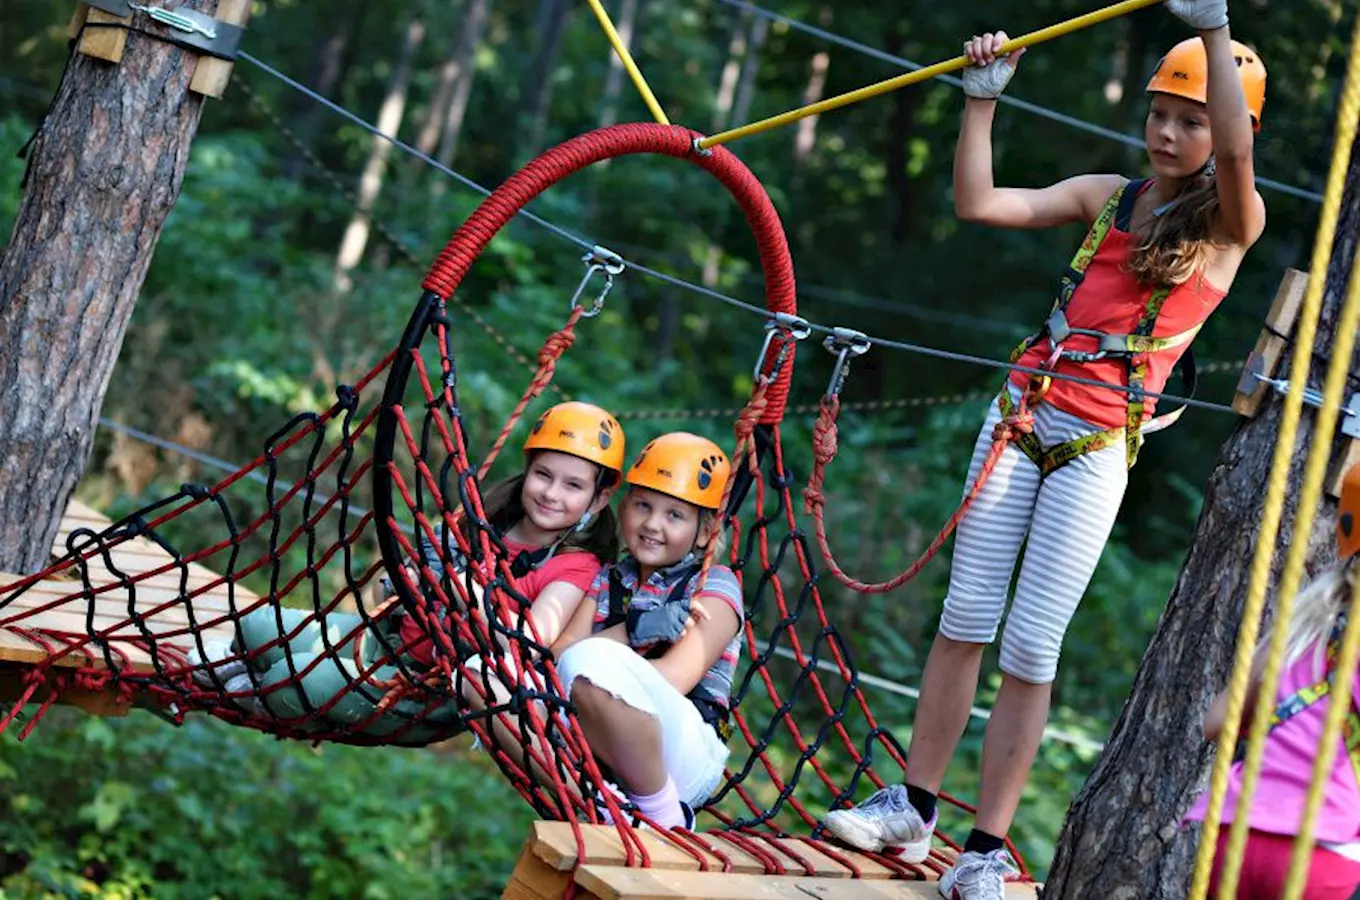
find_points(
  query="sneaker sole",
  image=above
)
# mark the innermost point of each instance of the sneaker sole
(852, 832)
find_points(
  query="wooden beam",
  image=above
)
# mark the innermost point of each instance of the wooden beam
(615, 883)
(212, 74)
(1272, 342)
(106, 43)
(534, 879)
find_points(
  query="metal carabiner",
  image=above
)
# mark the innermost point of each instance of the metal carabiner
(793, 328)
(597, 259)
(845, 343)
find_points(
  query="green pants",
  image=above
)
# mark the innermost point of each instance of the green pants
(336, 674)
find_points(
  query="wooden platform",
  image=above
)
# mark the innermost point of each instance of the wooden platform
(58, 610)
(548, 865)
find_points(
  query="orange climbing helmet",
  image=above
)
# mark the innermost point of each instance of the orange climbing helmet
(1348, 514)
(1184, 72)
(584, 430)
(684, 466)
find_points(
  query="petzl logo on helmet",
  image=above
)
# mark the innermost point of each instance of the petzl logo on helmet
(665, 473)
(566, 433)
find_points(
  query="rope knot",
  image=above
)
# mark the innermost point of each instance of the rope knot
(558, 342)
(824, 447)
(1012, 427)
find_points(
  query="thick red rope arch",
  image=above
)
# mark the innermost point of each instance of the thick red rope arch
(516, 192)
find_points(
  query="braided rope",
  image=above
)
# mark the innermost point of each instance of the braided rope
(824, 444)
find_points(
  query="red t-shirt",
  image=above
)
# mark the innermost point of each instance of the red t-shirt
(576, 568)
(1111, 300)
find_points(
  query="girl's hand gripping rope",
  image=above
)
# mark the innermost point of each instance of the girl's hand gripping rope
(989, 74)
(1201, 15)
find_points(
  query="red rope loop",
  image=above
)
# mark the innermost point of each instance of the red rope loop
(557, 343)
(744, 427)
(1011, 428)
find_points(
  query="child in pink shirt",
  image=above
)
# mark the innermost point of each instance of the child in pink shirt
(1277, 808)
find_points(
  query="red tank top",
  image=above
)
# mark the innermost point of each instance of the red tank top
(1112, 300)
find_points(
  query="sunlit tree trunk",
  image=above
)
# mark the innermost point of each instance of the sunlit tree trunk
(1122, 838)
(474, 28)
(550, 26)
(390, 116)
(805, 136)
(750, 68)
(103, 174)
(625, 22)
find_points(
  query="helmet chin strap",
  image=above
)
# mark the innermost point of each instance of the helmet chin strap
(1205, 171)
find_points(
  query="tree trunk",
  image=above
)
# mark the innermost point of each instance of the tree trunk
(750, 68)
(393, 109)
(731, 70)
(1122, 837)
(613, 79)
(432, 125)
(551, 25)
(474, 27)
(805, 136)
(104, 173)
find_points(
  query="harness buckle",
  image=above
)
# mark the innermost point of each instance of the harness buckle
(792, 329)
(845, 343)
(1057, 327)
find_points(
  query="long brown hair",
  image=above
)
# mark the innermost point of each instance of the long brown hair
(1180, 240)
(503, 503)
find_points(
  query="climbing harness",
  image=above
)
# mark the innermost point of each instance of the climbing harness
(1132, 348)
(1306, 697)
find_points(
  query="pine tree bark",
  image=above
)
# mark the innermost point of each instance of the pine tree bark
(1122, 838)
(103, 175)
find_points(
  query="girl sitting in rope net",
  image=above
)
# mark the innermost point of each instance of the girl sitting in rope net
(1051, 462)
(555, 521)
(385, 485)
(1276, 811)
(649, 661)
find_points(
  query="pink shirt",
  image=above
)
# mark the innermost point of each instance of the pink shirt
(575, 567)
(1287, 770)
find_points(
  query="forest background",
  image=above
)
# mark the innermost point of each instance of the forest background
(282, 273)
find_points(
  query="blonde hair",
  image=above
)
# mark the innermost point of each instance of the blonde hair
(1315, 613)
(1179, 242)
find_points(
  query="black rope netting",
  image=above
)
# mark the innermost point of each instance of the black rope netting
(369, 516)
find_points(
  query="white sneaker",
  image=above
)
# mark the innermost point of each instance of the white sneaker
(886, 820)
(208, 669)
(979, 876)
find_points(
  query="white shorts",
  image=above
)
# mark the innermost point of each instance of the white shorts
(693, 754)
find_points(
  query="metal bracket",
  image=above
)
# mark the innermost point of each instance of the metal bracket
(598, 259)
(846, 343)
(194, 29)
(794, 329)
(1349, 414)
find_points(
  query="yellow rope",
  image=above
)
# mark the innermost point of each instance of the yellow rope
(1270, 523)
(628, 65)
(941, 68)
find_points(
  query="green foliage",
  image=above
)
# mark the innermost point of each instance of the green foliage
(131, 809)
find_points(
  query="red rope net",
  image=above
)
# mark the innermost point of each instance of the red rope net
(377, 488)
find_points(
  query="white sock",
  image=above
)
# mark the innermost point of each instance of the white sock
(663, 807)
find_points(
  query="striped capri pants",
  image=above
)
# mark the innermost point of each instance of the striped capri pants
(1067, 518)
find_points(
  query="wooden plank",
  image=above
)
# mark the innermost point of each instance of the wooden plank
(77, 22)
(96, 703)
(103, 42)
(555, 844)
(212, 74)
(615, 883)
(534, 879)
(1272, 343)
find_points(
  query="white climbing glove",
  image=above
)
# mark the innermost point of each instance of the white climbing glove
(989, 81)
(1201, 15)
